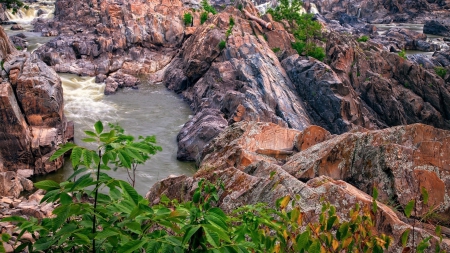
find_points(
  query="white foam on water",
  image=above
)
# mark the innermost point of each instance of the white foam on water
(83, 100)
(25, 16)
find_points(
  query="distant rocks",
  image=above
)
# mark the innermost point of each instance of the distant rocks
(437, 27)
(16, 27)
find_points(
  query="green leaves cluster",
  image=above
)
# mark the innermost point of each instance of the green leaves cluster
(304, 28)
(207, 8)
(440, 71)
(187, 18)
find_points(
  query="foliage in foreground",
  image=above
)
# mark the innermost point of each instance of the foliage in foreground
(303, 27)
(440, 71)
(97, 213)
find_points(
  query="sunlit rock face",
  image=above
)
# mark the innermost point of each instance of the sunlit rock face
(262, 162)
(32, 122)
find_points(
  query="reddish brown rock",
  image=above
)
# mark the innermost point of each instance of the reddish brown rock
(32, 122)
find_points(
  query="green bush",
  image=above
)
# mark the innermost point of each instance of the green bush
(207, 7)
(440, 71)
(203, 17)
(304, 28)
(402, 54)
(187, 18)
(363, 38)
(222, 45)
(118, 219)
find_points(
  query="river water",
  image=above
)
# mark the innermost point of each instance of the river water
(151, 110)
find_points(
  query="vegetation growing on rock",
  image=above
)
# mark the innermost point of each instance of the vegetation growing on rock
(304, 28)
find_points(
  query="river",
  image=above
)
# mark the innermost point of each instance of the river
(150, 110)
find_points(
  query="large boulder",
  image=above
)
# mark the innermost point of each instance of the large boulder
(32, 122)
(261, 162)
(437, 27)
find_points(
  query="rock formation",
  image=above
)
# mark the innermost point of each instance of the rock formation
(384, 11)
(32, 122)
(261, 162)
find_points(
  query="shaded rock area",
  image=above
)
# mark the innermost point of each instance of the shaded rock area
(437, 27)
(32, 122)
(383, 11)
(259, 162)
(23, 207)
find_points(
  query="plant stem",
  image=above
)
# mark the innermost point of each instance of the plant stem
(94, 226)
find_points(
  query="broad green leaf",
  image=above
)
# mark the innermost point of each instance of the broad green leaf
(409, 207)
(331, 221)
(423, 245)
(76, 173)
(90, 133)
(211, 237)
(60, 217)
(375, 193)
(124, 159)
(47, 185)
(303, 240)
(314, 247)
(134, 227)
(65, 199)
(189, 233)
(75, 157)
(43, 244)
(130, 191)
(152, 247)
(6, 237)
(131, 246)
(87, 157)
(89, 139)
(14, 219)
(83, 238)
(105, 234)
(66, 147)
(405, 236)
(424, 195)
(196, 196)
(98, 127)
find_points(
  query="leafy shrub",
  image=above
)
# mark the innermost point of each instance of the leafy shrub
(363, 38)
(304, 28)
(222, 45)
(207, 7)
(187, 18)
(203, 17)
(402, 54)
(276, 49)
(440, 71)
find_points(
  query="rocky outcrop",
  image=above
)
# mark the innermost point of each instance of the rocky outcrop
(242, 81)
(374, 87)
(384, 11)
(437, 27)
(261, 162)
(114, 38)
(31, 116)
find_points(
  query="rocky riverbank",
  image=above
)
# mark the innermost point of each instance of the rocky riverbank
(32, 122)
